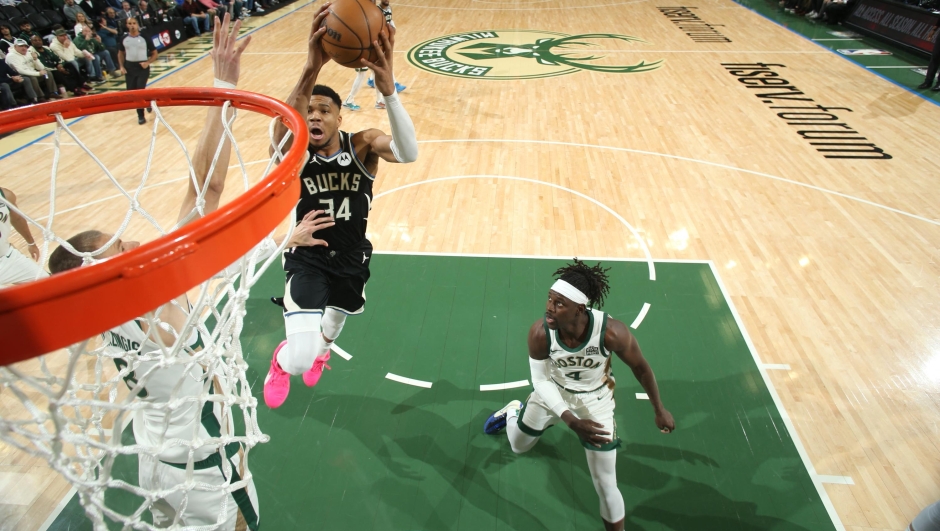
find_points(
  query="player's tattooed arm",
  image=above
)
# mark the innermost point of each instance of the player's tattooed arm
(299, 97)
(619, 340)
(540, 365)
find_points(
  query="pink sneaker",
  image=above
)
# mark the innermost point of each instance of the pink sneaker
(277, 382)
(312, 376)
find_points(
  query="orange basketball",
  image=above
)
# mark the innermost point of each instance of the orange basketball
(351, 26)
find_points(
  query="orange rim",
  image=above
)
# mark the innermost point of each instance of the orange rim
(45, 315)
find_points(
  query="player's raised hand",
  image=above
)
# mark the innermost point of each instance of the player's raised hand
(311, 223)
(226, 51)
(316, 55)
(382, 67)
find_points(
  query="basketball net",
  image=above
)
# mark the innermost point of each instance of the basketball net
(74, 405)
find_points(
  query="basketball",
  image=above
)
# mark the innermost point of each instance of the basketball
(351, 27)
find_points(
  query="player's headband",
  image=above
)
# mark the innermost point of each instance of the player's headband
(572, 293)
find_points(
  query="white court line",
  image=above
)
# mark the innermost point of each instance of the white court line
(910, 66)
(507, 385)
(776, 366)
(794, 436)
(409, 381)
(837, 480)
(642, 396)
(544, 257)
(689, 159)
(342, 353)
(71, 493)
(639, 318)
(636, 234)
(839, 39)
(58, 509)
(148, 187)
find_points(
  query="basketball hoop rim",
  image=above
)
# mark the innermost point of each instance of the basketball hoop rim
(48, 314)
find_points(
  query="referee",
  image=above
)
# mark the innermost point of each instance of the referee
(135, 54)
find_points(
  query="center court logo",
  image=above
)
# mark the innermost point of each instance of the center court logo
(525, 54)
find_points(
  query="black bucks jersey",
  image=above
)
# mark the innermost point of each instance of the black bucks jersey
(341, 186)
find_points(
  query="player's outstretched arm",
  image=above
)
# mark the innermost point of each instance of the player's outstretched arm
(20, 224)
(540, 365)
(226, 61)
(618, 339)
(226, 64)
(299, 98)
(402, 144)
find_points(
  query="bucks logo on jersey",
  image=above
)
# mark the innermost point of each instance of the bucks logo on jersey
(521, 54)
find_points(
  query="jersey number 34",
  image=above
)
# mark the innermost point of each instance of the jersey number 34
(343, 213)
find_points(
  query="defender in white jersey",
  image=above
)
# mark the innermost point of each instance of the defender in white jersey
(14, 267)
(135, 350)
(570, 356)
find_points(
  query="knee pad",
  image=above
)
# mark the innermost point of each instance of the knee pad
(303, 336)
(332, 323)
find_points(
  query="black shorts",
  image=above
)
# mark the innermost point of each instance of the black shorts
(318, 278)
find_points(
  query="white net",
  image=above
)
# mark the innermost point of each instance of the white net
(180, 391)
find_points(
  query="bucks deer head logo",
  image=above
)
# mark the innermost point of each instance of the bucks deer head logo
(520, 54)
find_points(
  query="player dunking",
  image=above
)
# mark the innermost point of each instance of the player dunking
(136, 346)
(569, 356)
(324, 285)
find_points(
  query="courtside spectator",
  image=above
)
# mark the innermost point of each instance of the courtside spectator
(89, 42)
(70, 10)
(66, 76)
(109, 28)
(63, 46)
(28, 66)
(196, 15)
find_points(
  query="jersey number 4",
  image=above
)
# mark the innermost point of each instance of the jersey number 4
(576, 375)
(343, 212)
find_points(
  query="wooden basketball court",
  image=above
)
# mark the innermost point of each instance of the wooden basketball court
(787, 197)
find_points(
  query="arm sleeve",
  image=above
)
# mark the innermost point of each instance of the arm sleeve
(545, 387)
(404, 143)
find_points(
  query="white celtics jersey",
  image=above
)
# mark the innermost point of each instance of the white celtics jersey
(129, 344)
(583, 368)
(5, 227)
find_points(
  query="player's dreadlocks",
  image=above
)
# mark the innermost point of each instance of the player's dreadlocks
(591, 280)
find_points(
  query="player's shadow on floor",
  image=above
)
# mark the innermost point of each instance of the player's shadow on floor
(423, 444)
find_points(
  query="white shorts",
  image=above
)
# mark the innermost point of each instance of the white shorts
(203, 508)
(535, 417)
(17, 269)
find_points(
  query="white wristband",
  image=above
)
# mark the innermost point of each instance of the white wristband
(218, 83)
